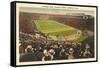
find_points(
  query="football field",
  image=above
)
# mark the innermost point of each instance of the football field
(52, 27)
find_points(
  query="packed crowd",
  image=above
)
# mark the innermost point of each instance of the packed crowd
(38, 50)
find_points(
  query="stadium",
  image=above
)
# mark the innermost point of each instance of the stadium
(67, 35)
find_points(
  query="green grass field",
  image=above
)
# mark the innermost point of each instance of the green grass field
(52, 27)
